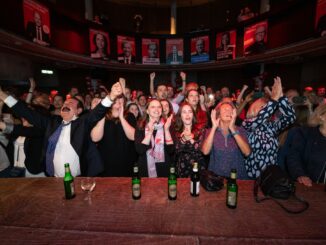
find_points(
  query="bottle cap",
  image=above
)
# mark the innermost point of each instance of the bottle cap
(233, 173)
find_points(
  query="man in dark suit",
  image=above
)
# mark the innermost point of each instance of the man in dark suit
(173, 57)
(36, 32)
(66, 139)
(259, 45)
(126, 57)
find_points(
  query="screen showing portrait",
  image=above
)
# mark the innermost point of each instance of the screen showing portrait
(255, 38)
(174, 51)
(321, 17)
(37, 22)
(151, 51)
(99, 44)
(225, 45)
(126, 49)
(199, 49)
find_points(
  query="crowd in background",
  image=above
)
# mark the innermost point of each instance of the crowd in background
(105, 133)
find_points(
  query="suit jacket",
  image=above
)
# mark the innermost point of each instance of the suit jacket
(169, 59)
(31, 32)
(80, 130)
(121, 59)
(255, 48)
(32, 147)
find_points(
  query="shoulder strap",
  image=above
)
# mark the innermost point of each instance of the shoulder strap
(299, 199)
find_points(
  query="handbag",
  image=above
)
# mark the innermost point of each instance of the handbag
(276, 184)
(211, 181)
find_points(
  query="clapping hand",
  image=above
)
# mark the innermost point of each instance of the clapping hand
(121, 110)
(168, 122)
(277, 90)
(215, 121)
(150, 126)
(232, 126)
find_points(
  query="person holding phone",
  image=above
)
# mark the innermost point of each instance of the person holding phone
(226, 143)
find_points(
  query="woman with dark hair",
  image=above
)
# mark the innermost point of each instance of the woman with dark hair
(167, 108)
(133, 109)
(197, 103)
(101, 46)
(114, 135)
(187, 140)
(226, 143)
(302, 114)
(225, 50)
(153, 142)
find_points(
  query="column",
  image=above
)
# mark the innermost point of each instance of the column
(89, 10)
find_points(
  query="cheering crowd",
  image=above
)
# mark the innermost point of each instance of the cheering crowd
(105, 134)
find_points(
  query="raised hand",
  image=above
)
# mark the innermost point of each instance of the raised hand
(249, 97)
(277, 90)
(245, 87)
(183, 76)
(232, 126)
(215, 121)
(116, 90)
(203, 88)
(168, 122)
(122, 81)
(152, 76)
(201, 99)
(121, 111)
(95, 102)
(32, 84)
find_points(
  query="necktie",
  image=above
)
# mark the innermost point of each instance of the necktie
(38, 33)
(52, 143)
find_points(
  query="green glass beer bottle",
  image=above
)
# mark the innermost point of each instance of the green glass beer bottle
(232, 190)
(68, 182)
(194, 181)
(136, 193)
(172, 184)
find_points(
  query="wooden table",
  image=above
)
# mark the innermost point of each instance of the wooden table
(34, 211)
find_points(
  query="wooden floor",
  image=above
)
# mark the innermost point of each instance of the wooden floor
(34, 211)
